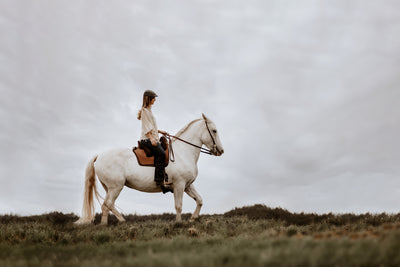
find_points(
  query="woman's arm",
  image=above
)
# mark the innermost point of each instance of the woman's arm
(147, 126)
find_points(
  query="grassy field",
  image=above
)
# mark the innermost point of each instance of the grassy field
(248, 236)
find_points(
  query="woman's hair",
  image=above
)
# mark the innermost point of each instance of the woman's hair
(146, 103)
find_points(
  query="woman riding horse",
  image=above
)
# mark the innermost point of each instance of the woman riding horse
(117, 168)
(149, 138)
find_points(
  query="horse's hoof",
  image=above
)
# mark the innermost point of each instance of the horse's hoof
(194, 219)
(82, 221)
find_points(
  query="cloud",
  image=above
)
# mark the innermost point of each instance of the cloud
(305, 97)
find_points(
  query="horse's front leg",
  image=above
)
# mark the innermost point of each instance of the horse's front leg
(199, 201)
(178, 196)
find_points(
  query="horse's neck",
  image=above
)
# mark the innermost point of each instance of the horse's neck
(192, 135)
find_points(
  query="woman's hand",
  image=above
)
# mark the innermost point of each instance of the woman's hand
(153, 141)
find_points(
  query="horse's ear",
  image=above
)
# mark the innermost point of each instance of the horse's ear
(204, 117)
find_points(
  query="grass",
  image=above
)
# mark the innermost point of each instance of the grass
(248, 236)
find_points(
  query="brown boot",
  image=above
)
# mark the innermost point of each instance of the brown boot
(165, 187)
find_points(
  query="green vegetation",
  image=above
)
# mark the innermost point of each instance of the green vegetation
(248, 236)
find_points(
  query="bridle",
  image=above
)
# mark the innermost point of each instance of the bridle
(202, 149)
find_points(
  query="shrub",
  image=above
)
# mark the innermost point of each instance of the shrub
(102, 238)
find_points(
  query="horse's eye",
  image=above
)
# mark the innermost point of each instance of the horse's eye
(214, 131)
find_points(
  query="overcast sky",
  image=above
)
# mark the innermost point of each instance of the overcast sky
(305, 95)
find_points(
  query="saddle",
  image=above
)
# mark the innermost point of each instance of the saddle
(144, 155)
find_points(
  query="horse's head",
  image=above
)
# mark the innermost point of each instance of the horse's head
(210, 137)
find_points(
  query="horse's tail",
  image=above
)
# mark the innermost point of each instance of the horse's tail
(90, 187)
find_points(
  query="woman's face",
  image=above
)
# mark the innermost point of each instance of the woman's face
(152, 101)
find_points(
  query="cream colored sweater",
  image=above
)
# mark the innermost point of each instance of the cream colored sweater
(149, 124)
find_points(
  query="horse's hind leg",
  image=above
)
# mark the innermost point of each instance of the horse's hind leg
(104, 209)
(199, 201)
(108, 205)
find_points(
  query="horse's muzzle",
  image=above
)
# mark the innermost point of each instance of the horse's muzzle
(217, 152)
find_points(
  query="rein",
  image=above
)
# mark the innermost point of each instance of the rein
(202, 149)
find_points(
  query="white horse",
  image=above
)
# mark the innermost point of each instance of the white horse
(119, 167)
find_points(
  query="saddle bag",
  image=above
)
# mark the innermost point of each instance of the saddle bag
(164, 142)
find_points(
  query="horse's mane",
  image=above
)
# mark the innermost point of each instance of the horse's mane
(181, 131)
